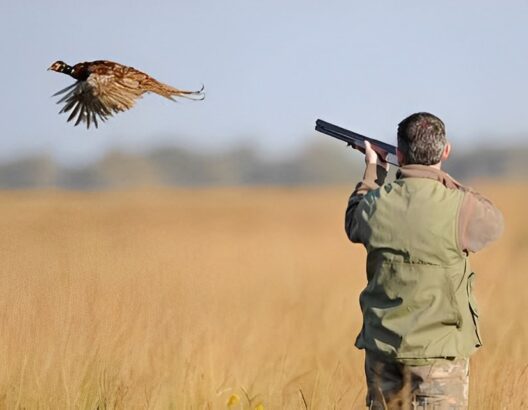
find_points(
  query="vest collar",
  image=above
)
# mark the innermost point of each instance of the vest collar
(425, 171)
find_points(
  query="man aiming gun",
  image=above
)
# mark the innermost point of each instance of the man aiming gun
(420, 318)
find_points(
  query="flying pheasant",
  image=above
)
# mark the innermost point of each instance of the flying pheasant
(104, 88)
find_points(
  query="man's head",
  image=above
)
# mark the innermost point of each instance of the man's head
(422, 140)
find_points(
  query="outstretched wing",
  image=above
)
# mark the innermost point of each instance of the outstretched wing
(98, 98)
(83, 104)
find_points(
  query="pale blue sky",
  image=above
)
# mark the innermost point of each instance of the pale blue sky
(270, 69)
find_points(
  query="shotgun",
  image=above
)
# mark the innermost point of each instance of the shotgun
(357, 141)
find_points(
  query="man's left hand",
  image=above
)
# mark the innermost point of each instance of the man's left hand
(375, 157)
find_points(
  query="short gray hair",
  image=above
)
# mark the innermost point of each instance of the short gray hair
(421, 139)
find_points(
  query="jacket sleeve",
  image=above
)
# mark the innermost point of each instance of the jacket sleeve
(480, 222)
(373, 178)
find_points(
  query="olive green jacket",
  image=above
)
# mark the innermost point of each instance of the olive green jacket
(417, 230)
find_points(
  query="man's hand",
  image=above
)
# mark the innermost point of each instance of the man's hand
(375, 157)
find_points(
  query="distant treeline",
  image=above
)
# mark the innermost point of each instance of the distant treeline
(318, 164)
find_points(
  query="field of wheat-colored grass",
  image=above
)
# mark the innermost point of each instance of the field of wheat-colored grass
(215, 298)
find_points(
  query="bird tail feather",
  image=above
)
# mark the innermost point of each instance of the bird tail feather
(170, 92)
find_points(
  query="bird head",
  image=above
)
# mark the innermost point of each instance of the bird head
(59, 66)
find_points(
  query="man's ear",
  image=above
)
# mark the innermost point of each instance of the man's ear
(447, 151)
(400, 157)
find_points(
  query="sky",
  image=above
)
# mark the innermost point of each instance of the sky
(270, 69)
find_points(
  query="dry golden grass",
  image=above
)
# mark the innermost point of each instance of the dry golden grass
(193, 299)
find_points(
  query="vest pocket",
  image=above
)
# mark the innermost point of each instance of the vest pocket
(473, 307)
(457, 317)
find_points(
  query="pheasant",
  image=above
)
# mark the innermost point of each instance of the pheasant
(104, 88)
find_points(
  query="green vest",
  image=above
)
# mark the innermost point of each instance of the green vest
(418, 303)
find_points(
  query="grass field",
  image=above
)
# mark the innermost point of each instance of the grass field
(207, 299)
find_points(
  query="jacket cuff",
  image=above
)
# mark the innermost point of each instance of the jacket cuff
(373, 178)
(374, 175)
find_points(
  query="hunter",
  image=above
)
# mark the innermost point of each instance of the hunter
(420, 317)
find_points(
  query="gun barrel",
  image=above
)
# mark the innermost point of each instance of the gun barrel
(356, 140)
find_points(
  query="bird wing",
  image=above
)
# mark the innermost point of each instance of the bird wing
(83, 104)
(117, 93)
(99, 97)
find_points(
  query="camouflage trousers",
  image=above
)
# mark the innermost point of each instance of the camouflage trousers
(442, 385)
